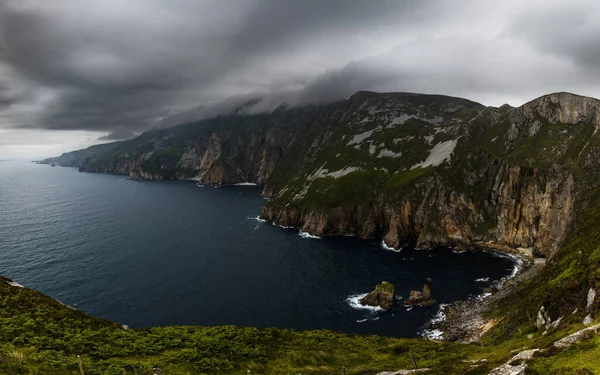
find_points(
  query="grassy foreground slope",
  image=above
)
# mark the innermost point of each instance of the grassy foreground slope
(42, 336)
(39, 335)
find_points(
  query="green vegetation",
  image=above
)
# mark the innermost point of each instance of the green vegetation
(39, 335)
(527, 155)
(42, 336)
(385, 287)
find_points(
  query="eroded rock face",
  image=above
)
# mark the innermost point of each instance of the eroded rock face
(420, 298)
(383, 296)
(498, 184)
(402, 167)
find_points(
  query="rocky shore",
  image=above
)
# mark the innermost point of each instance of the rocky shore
(465, 321)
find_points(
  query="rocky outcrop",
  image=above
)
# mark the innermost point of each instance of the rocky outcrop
(383, 296)
(521, 207)
(420, 298)
(496, 185)
(516, 365)
(576, 337)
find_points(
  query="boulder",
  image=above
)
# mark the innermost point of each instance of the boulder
(383, 296)
(420, 298)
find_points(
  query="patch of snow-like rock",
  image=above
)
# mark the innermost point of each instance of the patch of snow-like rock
(440, 153)
(385, 153)
(323, 172)
(359, 138)
(403, 139)
(401, 119)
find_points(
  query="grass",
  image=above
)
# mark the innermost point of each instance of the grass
(42, 336)
(39, 335)
(385, 287)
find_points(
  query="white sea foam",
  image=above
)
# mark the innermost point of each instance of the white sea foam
(372, 318)
(386, 247)
(440, 316)
(482, 296)
(199, 185)
(433, 334)
(354, 302)
(257, 218)
(482, 280)
(246, 184)
(518, 264)
(281, 226)
(308, 235)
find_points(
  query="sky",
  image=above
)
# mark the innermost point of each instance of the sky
(75, 73)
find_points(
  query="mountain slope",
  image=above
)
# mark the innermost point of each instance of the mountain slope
(428, 169)
(403, 167)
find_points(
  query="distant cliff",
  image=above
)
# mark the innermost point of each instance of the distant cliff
(81, 157)
(403, 167)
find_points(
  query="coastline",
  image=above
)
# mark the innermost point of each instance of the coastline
(464, 321)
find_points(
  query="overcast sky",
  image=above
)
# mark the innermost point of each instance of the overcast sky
(78, 72)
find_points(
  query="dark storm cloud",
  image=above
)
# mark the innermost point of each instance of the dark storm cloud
(123, 67)
(566, 30)
(113, 66)
(118, 134)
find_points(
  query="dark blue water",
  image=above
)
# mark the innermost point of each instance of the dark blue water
(170, 253)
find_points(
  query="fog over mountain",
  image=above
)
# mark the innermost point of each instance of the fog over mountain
(75, 73)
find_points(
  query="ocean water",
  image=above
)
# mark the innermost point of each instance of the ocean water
(171, 253)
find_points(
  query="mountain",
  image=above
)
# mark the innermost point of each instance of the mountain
(79, 157)
(403, 167)
(428, 169)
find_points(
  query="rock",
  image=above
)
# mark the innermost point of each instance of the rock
(540, 321)
(590, 299)
(587, 320)
(516, 365)
(555, 323)
(460, 248)
(543, 320)
(404, 372)
(578, 336)
(420, 298)
(383, 296)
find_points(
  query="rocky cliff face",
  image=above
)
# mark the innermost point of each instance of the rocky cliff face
(401, 167)
(437, 171)
(224, 150)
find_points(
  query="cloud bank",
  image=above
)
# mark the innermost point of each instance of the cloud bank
(113, 69)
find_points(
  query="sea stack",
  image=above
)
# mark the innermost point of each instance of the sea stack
(420, 298)
(383, 296)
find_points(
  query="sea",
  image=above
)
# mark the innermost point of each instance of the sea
(150, 254)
